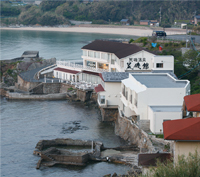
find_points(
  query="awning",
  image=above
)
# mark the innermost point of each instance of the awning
(67, 70)
(182, 129)
(99, 88)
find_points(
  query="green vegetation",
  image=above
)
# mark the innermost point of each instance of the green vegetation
(100, 12)
(189, 166)
(160, 136)
(70, 89)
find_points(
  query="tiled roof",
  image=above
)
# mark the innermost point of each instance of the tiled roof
(121, 50)
(192, 102)
(114, 76)
(99, 88)
(67, 70)
(182, 129)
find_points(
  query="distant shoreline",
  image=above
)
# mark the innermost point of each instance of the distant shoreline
(121, 30)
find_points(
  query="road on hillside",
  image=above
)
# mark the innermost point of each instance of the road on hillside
(184, 37)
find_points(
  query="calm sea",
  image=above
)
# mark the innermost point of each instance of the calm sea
(24, 123)
(60, 45)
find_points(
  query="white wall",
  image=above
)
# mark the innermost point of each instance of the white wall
(159, 96)
(139, 57)
(167, 60)
(112, 93)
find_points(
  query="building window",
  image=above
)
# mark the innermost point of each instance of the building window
(123, 108)
(123, 90)
(102, 99)
(112, 61)
(131, 98)
(97, 54)
(113, 69)
(91, 64)
(103, 66)
(159, 65)
(84, 52)
(126, 95)
(70, 77)
(90, 53)
(103, 55)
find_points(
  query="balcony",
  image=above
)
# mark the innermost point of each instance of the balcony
(74, 66)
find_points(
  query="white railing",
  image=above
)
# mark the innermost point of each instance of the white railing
(78, 66)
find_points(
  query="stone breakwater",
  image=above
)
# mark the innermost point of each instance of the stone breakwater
(59, 151)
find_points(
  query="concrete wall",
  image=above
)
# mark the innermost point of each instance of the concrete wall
(73, 159)
(184, 148)
(24, 85)
(109, 114)
(20, 96)
(51, 88)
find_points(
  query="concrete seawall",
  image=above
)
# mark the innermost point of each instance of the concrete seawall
(21, 96)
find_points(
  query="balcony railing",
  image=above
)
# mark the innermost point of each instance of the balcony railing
(78, 66)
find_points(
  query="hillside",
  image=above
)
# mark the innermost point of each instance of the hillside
(52, 13)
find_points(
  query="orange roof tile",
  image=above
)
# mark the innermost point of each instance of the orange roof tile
(182, 129)
(192, 102)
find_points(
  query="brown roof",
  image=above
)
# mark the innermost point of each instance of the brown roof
(90, 72)
(192, 102)
(182, 129)
(121, 50)
(67, 70)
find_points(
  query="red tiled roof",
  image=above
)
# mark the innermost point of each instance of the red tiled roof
(192, 102)
(67, 70)
(100, 75)
(99, 88)
(182, 129)
(90, 72)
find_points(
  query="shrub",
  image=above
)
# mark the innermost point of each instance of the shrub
(166, 44)
(131, 40)
(70, 89)
(9, 71)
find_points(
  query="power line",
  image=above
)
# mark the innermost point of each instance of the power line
(179, 77)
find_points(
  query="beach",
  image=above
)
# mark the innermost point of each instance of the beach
(103, 29)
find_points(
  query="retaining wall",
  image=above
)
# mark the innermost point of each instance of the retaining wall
(25, 85)
(132, 133)
(109, 114)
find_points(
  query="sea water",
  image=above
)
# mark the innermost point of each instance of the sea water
(24, 123)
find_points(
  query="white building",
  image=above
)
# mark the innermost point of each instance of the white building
(120, 57)
(109, 89)
(152, 98)
(108, 56)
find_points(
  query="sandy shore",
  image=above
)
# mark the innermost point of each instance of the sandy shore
(135, 31)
